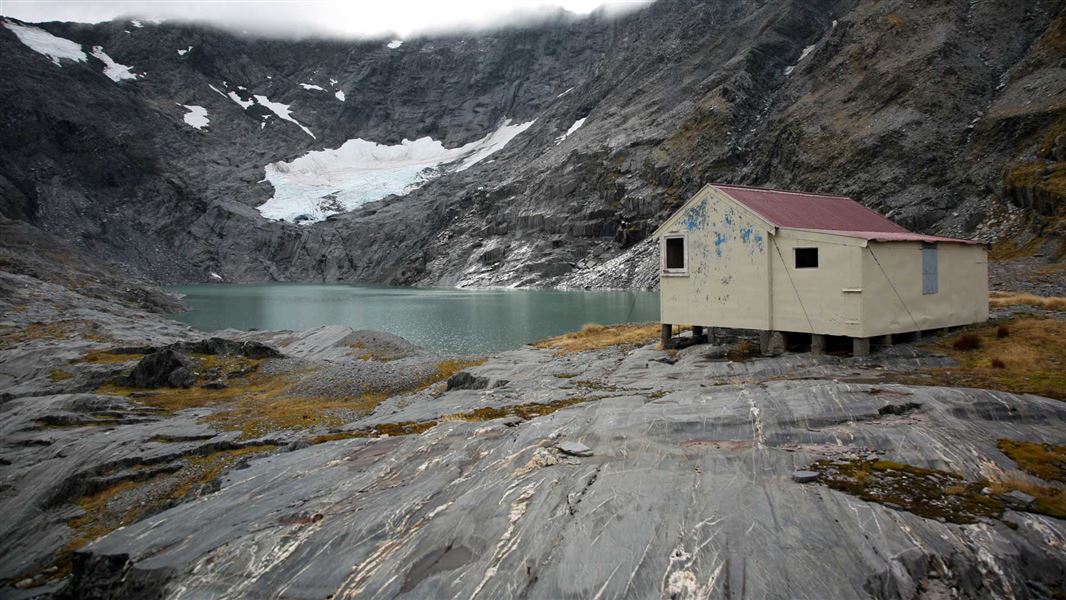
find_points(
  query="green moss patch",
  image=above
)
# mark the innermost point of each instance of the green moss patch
(925, 492)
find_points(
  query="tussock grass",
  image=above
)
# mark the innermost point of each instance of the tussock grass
(597, 337)
(967, 341)
(259, 404)
(1032, 359)
(106, 357)
(1046, 461)
(1018, 299)
(1048, 500)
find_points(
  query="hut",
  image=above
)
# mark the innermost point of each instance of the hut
(811, 269)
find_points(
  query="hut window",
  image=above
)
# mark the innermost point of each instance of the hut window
(930, 269)
(806, 258)
(675, 254)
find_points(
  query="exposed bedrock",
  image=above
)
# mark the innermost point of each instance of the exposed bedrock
(688, 493)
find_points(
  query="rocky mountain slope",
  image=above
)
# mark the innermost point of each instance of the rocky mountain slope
(555, 148)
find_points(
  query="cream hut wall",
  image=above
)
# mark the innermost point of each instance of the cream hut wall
(793, 263)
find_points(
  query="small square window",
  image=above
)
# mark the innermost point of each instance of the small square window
(675, 254)
(806, 258)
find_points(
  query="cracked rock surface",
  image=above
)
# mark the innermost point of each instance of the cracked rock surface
(689, 494)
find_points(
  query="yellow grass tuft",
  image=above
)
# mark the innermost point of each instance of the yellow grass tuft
(1049, 500)
(106, 357)
(258, 404)
(59, 375)
(1032, 359)
(595, 337)
(1018, 299)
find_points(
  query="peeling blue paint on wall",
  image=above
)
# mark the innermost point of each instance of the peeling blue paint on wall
(719, 241)
(748, 235)
(695, 217)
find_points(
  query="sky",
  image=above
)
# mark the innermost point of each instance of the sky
(354, 18)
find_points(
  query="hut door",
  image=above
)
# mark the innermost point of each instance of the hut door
(930, 274)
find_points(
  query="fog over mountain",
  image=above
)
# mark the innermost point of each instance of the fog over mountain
(324, 18)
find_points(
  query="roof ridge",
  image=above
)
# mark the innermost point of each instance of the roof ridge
(780, 191)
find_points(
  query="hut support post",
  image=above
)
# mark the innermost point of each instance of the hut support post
(817, 343)
(860, 346)
(771, 343)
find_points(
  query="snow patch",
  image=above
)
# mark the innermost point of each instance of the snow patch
(114, 71)
(565, 93)
(196, 117)
(136, 23)
(394, 44)
(577, 124)
(339, 95)
(236, 98)
(325, 182)
(493, 142)
(216, 276)
(282, 111)
(803, 55)
(42, 42)
(333, 82)
(185, 51)
(311, 86)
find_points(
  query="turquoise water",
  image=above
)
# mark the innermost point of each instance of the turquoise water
(451, 320)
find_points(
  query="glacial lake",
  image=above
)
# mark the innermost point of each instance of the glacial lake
(450, 320)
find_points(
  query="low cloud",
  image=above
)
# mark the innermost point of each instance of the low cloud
(303, 18)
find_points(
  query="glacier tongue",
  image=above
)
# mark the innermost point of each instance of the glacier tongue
(330, 181)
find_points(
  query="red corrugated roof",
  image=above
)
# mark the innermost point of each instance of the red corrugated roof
(905, 236)
(829, 214)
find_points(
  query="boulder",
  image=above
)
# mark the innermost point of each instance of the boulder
(224, 347)
(574, 448)
(465, 381)
(164, 368)
(1018, 498)
(803, 476)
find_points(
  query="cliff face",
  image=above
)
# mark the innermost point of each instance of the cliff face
(945, 116)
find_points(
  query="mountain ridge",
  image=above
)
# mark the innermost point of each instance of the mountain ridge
(937, 115)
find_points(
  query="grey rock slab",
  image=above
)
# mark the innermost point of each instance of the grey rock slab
(1019, 498)
(682, 493)
(574, 448)
(802, 476)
